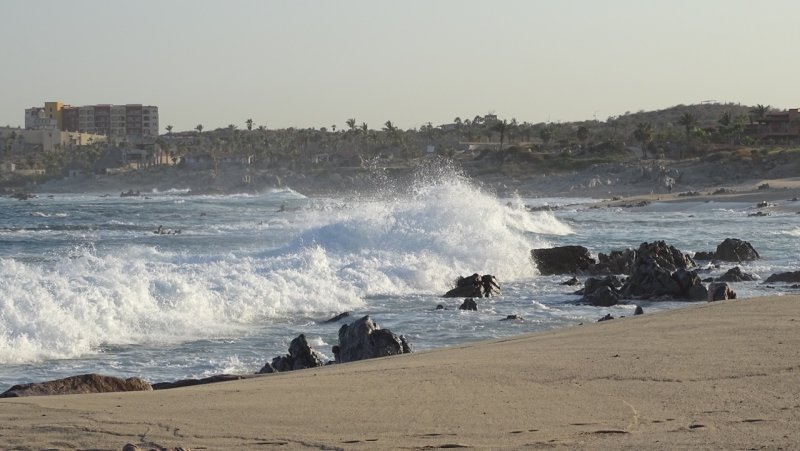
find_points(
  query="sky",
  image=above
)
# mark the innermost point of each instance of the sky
(317, 63)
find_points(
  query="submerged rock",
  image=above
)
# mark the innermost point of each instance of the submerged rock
(736, 275)
(474, 286)
(789, 277)
(468, 304)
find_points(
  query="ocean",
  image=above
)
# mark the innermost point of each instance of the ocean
(86, 286)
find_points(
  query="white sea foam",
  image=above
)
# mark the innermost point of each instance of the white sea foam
(398, 242)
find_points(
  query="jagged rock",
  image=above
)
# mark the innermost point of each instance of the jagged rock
(190, 382)
(562, 260)
(363, 339)
(660, 271)
(736, 275)
(474, 286)
(720, 291)
(601, 292)
(300, 356)
(603, 296)
(468, 304)
(789, 277)
(84, 383)
(702, 255)
(616, 262)
(639, 311)
(735, 250)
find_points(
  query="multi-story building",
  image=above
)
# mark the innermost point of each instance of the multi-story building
(132, 120)
(777, 126)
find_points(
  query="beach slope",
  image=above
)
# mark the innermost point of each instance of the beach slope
(719, 375)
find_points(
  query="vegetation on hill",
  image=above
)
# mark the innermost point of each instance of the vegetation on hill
(481, 145)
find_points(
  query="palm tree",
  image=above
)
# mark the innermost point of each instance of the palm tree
(249, 123)
(351, 123)
(688, 121)
(582, 134)
(546, 134)
(199, 128)
(169, 129)
(758, 112)
(501, 127)
(643, 134)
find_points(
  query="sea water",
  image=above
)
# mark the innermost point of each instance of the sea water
(86, 285)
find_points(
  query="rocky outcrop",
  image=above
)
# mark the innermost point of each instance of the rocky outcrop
(735, 250)
(363, 339)
(736, 275)
(601, 292)
(720, 291)
(788, 277)
(616, 262)
(661, 271)
(703, 255)
(562, 260)
(468, 304)
(474, 286)
(300, 356)
(85, 383)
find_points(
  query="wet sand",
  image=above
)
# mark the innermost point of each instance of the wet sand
(722, 375)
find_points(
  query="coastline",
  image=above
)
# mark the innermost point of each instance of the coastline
(711, 375)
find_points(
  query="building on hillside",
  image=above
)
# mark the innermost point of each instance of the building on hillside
(48, 139)
(123, 121)
(778, 126)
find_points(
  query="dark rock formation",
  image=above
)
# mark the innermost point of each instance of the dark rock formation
(300, 356)
(468, 304)
(789, 277)
(735, 250)
(440, 307)
(736, 275)
(639, 311)
(474, 286)
(720, 291)
(190, 382)
(601, 292)
(660, 271)
(616, 262)
(363, 339)
(608, 317)
(704, 255)
(85, 383)
(562, 260)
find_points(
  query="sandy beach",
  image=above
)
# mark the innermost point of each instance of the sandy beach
(722, 375)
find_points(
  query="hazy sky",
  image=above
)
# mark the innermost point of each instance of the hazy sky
(317, 63)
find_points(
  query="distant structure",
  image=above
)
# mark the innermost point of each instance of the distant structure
(119, 121)
(777, 126)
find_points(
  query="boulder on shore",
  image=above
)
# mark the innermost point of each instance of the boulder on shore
(562, 260)
(601, 292)
(300, 356)
(363, 339)
(84, 383)
(720, 291)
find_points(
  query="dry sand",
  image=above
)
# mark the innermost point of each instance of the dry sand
(724, 375)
